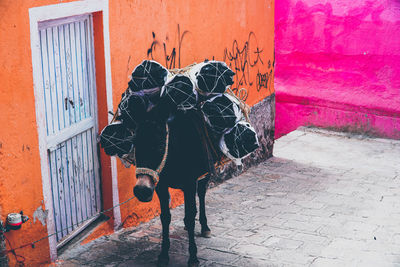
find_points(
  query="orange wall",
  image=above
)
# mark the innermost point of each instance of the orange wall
(242, 31)
(211, 29)
(20, 173)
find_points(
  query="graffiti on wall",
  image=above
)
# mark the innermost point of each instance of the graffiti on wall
(247, 60)
(170, 53)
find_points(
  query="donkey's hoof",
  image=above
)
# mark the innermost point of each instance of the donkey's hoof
(162, 261)
(193, 263)
(206, 234)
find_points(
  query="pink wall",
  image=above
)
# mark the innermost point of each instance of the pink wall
(338, 65)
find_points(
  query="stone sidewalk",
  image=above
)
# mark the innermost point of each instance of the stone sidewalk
(325, 199)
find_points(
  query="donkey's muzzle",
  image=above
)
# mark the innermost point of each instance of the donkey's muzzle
(143, 193)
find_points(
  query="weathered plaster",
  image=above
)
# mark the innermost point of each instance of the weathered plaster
(41, 215)
(337, 66)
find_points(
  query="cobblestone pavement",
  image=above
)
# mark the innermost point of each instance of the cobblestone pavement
(325, 199)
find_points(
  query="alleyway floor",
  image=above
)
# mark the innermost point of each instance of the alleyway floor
(324, 199)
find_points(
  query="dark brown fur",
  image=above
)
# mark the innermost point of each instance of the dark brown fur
(186, 161)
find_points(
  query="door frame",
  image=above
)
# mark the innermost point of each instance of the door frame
(58, 11)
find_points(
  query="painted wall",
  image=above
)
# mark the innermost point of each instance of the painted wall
(20, 173)
(338, 66)
(239, 32)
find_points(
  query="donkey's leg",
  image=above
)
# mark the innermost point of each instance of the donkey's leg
(190, 214)
(201, 191)
(163, 195)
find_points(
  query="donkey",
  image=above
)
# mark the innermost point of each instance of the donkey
(169, 153)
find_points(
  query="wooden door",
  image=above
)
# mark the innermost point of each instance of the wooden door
(68, 76)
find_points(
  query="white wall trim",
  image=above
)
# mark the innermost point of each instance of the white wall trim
(48, 13)
(110, 107)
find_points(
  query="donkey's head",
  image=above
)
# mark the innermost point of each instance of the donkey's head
(152, 137)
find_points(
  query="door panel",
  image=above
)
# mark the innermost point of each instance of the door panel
(69, 96)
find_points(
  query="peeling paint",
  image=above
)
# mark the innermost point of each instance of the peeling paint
(40, 215)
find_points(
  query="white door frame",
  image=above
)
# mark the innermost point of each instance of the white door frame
(57, 11)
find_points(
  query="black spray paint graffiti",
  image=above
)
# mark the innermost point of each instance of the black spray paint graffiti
(242, 60)
(175, 53)
(264, 80)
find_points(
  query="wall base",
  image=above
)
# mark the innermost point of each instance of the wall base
(290, 116)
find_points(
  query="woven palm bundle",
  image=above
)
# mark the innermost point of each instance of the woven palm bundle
(212, 77)
(125, 94)
(204, 87)
(133, 107)
(149, 74)
(221, 112)
(180, 92)
(239, 141)
(116, 139)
